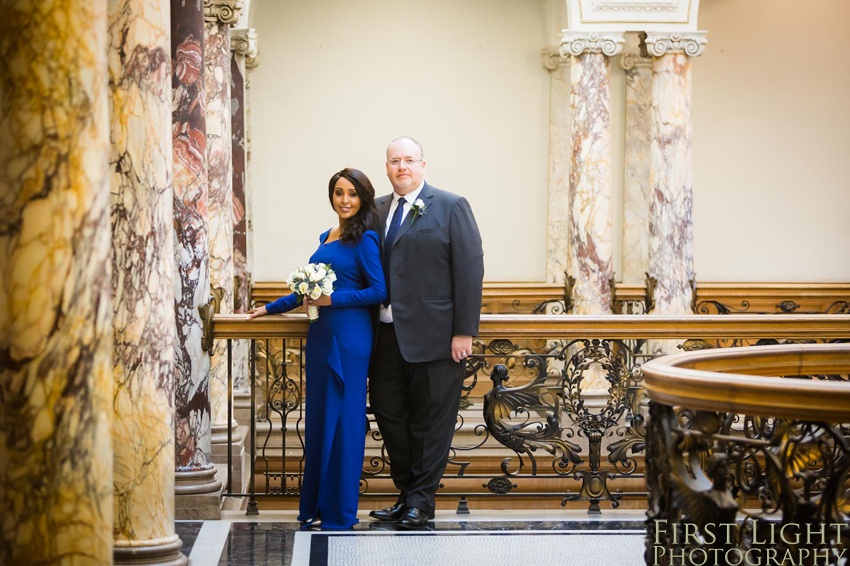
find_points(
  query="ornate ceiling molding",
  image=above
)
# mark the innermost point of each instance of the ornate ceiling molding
(632, 15)
(658, 44)
(578, 42)
(223, 11)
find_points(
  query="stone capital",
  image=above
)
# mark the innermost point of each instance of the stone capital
(222, 11)
(244, 42)
(630, 60)
(657, 44)
(579, 42)
(552, 58)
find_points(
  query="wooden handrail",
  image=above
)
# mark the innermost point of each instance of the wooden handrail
(748, 380)
(567, 327)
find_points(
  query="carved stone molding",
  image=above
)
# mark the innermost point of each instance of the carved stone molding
(244, 42)
(224, 11)
(658, 44)
(552, 58)
(578, 42)
(606, 16)
(630, 60)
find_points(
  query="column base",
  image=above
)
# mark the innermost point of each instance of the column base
(159, 555)
(197, 495)
(219, 433)
(239, 460)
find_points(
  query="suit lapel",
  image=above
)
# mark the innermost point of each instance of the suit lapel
(426, 194)
(383, 212)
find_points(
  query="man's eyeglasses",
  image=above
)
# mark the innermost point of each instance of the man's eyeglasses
(408, 161)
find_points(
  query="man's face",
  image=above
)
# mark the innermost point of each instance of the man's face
(405, 166)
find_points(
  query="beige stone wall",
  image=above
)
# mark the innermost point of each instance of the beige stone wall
(337, 80)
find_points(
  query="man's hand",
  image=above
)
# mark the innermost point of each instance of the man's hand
(461, 347)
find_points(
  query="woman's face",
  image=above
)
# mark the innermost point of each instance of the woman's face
(346, 201)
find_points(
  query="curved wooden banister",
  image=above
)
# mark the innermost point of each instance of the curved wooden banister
(748, 380)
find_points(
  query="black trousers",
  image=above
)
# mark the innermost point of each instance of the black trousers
(415, 405)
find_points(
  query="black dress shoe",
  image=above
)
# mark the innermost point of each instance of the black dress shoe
(393, 513)
(414, 518)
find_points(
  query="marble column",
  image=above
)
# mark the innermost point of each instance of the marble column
(636, 167)
(195, 473)
(55, 302)
(219, 15)
(670, 208)
(590, 254)
(243, 44)
(142, 284)
(558, 216)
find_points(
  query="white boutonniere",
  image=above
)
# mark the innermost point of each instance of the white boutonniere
(418, 208)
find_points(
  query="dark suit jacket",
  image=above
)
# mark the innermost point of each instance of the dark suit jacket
(436, 274)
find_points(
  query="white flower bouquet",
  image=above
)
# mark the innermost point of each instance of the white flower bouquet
(312, 280)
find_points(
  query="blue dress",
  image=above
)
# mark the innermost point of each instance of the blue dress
(338, 348)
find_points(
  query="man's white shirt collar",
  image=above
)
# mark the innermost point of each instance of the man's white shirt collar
(410, 197)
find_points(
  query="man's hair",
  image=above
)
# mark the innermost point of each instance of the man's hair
(419, 145)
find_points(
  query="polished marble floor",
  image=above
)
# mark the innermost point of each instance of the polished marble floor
(493, 538)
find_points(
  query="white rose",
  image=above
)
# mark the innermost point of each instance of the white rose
(303, 287)
(419, 204)
(327, 287)
(316, 293)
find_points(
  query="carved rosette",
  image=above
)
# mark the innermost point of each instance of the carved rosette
(689, 43)
(578, 42)
(223, 11)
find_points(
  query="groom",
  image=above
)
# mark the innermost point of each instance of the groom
(434, 268)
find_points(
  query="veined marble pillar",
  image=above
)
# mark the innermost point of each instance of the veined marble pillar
(636, 167)
(218, 17)
(55, 304)
(243, 44)
(590, 254)
(195, 472)
(671, 258)
(142, 284)
(558, 216)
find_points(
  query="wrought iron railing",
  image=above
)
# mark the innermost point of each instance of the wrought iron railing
(554, 407)
(746, 462)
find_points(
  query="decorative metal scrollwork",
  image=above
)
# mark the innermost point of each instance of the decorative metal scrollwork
(207, 312)
(649, 291)
(706, 468)
(500, 485)
(502, 405)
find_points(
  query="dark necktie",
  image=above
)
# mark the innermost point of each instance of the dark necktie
(395, 223)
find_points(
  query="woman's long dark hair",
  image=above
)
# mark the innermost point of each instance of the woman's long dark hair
(360, 222)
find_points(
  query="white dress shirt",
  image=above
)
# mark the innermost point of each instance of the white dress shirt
(387, 312)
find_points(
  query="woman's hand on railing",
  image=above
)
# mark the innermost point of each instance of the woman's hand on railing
(258, 311)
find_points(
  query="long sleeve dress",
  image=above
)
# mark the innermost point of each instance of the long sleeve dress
(338, 348)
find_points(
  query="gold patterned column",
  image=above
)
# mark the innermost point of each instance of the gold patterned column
(142, 283)
(55, 303)
(590, 253)
(671, 260)
(219, 16)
